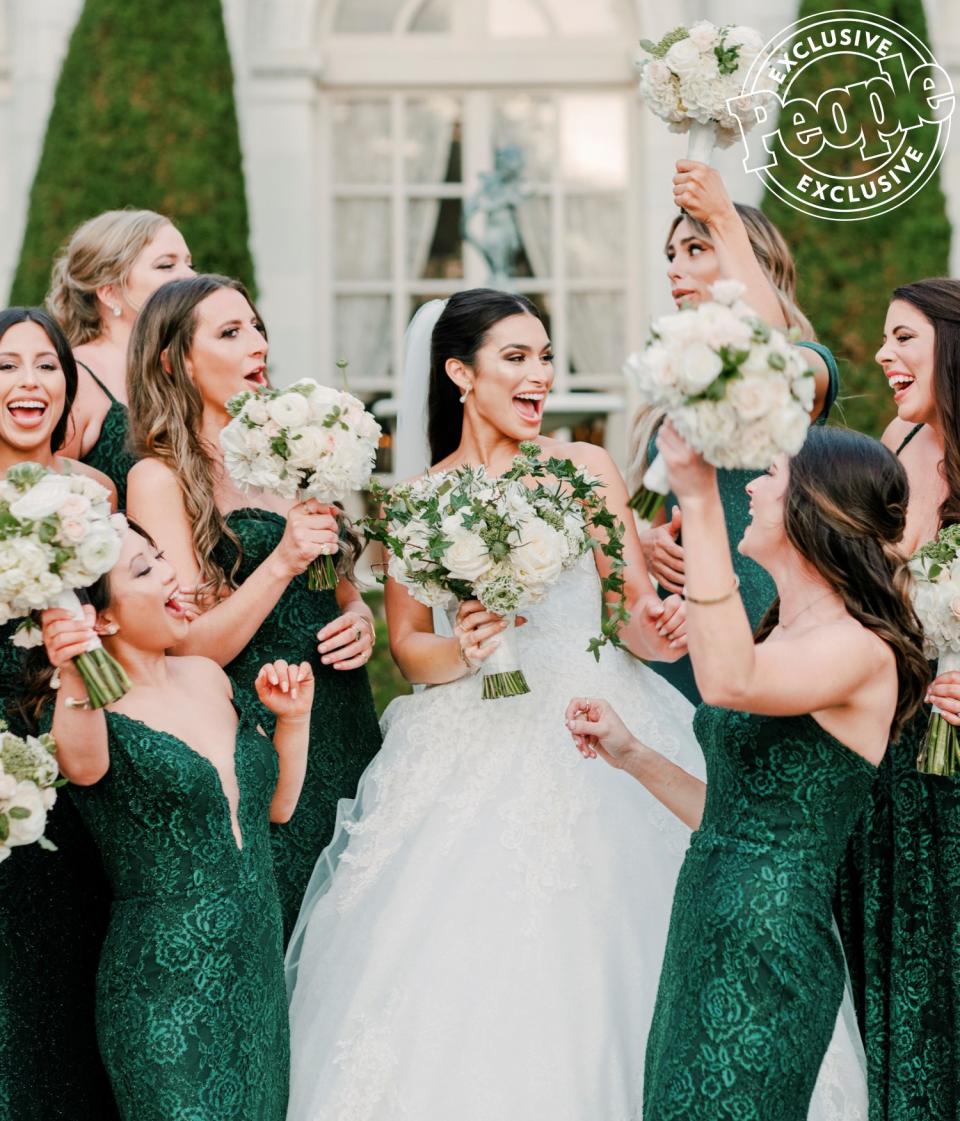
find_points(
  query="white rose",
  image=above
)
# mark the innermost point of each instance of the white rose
(727, 291)
(705, 34)
(755, 397)
(745, 38)
(538, 561)
(26, 830)
(788, 427)
(684, 57)
(255, 410)
(8, 787)
(43, 499)
(322, 400)
(289, 410)
(467, 557)
(719, 326)
(308, 448)
(700, 368)
(99, 551)
(74, 506)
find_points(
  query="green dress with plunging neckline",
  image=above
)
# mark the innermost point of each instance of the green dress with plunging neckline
(344, 732)
(191, 1002)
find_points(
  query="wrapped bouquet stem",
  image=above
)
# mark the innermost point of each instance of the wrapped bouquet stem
(940, 754)
(106, 680)
(701, 140)
(653, 492)
(502, 675)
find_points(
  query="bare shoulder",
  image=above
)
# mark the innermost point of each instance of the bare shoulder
(849, 642)
(595, 458)
(196, 670)
(153, 474)
(895, 433)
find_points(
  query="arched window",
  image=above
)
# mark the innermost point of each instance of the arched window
(417, 97)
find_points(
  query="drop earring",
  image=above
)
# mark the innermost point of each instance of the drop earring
(465, 395)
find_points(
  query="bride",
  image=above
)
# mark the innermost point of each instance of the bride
(483, 937)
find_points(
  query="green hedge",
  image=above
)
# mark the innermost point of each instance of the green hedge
(143, 116)
(847, 270)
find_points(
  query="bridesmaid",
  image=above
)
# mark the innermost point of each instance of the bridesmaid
(53, 905)
(899, 903)
(100, 281)
(177, 790)
(714, 238)
(793, 731)
(198, 342)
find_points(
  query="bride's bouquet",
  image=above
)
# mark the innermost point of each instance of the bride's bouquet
(464, 534)
(57, 535)
(29, 777)
(935, 569)
(737, 390)
(691, 77)
(305, 441)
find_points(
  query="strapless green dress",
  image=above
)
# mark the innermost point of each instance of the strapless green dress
(54, 908)
(191, 1002)
(344, 733)
(756, 587)
(111, 453)
(753, 974)
(898, 910)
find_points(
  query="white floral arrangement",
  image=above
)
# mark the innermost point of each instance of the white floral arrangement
(935, 572)
(691, 75)
(57, 535)
(737, 390)
(464, 534)
(29, 777)
(304, 441)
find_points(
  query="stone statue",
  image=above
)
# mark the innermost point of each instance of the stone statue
(497, 199)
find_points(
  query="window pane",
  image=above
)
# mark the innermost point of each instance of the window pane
(593, 140)
(367, 16)
(597, 333)
(362, 334)
(595, 227)
(362, 239)
(362, 145)
(536, 229)
(434, 245)
(530, 123)
(432, 140)
(434, 16)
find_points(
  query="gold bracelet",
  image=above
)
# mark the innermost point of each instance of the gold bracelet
(718, 599)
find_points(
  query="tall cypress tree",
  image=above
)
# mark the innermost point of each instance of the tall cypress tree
(143, 116)
(847, 270)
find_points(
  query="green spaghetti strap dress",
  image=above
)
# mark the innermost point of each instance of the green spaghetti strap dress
(898, 910)
(344, 733)
(111, 453)
(191, 1001)
(54, 908)
(756, 588)
(753, 973)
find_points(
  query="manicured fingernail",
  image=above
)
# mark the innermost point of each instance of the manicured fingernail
(326, 660)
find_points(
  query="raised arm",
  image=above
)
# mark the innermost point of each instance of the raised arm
(81, 733)
(287, 691)
(155, 501)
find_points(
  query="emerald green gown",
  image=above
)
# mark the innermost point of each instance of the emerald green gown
(191, 1002)
(756, 588)
(898, 910)
(54, 908)
(344, 733)
(111, 453)
(753, 973)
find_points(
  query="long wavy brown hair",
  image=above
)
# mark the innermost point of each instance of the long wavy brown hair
(938, 299)
(845, 513)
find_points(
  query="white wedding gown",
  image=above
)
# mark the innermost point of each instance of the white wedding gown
(482, 939)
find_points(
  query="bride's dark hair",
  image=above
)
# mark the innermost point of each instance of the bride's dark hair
(845, 513)
(460, 332)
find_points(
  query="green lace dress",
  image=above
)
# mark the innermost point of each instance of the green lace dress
(753, 974)
(898, 910)
(53, 916)
(111, 453)
(191, 1003)
(756, 588)
(344, 733)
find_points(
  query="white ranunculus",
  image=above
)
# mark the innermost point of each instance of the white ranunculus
(744, 37)
(727, 291)
(684, 58)
(26, 830)
(42, 499)
(255, 410)
(701, 367)
(99, 551)
(467, 558)
(289, 410)
(538, 561)
(705, 35)
(308, 448)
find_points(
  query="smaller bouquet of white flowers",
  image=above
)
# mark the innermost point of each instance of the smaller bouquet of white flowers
(935, 569)
(305, 441)
(464, 534)
(57, 535)
(737, 390)
(29, 777)
(691, 78)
